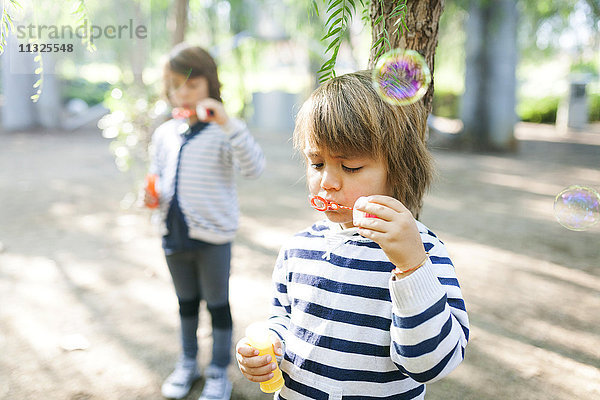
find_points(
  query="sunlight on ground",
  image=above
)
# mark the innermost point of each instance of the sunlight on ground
(519, 182)
(55, 299)
(561, 373)
(532, 342)
(530, 287)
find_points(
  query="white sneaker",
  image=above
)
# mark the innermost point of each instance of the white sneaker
(217, 386)
(179, 383)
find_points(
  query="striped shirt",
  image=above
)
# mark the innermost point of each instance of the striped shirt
(352, 332)
(206, 179)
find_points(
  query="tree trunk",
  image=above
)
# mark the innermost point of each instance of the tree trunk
(180, 17)
(488, 104)
(422, 20)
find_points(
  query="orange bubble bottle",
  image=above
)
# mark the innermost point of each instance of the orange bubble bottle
(151, 190)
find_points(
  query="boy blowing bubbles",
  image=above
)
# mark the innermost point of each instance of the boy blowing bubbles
(365, 307)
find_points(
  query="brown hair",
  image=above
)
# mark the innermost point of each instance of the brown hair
(192, 61)
(346, 116)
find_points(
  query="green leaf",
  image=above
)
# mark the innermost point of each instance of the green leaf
(324, 69)
(329, 63)
(316, 7)
(38, 70)
(352, 4)
(38, 83)
(336, 41)
(333, 5)
(331, 33)
(330, 73)
(399, 7)
(339, 10)
(378, 42)
(37, 58)
(333, 15)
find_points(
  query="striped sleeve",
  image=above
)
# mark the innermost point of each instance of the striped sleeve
(430, 327)
(246, 153)
(279, 321)
(153, 152)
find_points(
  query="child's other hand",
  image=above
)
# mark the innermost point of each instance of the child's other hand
(394, 230)
(150, 200)
(254, 367)
(211, 110)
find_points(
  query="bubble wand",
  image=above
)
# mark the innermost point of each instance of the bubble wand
(321, 204)
(186, 113)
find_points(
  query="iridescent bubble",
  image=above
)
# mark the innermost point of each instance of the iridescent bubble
(401, 77)
(577, 207)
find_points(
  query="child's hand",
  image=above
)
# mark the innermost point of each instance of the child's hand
(211, 110)
(254, 367)
(150, 200)
(394, 230)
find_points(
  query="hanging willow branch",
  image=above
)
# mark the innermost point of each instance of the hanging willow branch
(339, 16)
(384, 43)
(81, 12)
(6, 26)
(6, 22)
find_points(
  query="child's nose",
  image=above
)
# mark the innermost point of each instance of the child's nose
(330, 181)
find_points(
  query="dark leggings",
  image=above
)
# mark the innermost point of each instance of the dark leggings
(203, 274)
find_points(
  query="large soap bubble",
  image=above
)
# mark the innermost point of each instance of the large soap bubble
(401, 77)
(577, 207)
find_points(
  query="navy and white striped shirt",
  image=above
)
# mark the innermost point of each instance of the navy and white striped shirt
(352, 332)
(206, 178)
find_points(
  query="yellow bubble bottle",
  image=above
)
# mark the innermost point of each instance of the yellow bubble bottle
(259, 338)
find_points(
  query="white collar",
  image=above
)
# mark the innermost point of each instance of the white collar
(336, 236)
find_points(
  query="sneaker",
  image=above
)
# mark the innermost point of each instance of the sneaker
(217, 386)
(179, 383)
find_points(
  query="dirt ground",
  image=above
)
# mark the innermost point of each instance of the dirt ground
(87, 310)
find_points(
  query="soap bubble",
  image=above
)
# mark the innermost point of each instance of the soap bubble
(577, 207)
(401, 77)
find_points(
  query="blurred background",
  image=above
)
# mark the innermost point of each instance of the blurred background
(87, 310)
(543, 57)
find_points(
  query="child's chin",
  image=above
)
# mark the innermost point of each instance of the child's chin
(338, 218)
